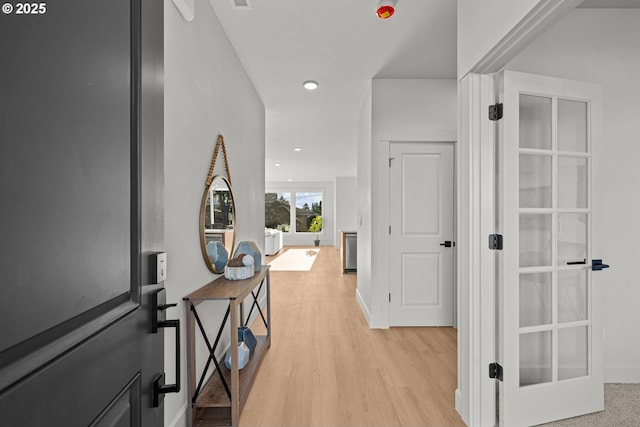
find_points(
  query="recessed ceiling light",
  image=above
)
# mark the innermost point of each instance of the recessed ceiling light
(297, 148)
(277, 164)
(310, 85)
(289, 180)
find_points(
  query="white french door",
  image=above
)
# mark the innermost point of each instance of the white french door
(549, 308)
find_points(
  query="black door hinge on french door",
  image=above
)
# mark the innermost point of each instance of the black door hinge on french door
(495, 371)
(495, 242)
(495, 112)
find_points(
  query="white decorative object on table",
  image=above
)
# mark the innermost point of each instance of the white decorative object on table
(247, 260)
(244, 271)
(243, 356)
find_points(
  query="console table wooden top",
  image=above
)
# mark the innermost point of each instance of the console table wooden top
(223, 289)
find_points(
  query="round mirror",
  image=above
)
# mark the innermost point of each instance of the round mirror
(217, 222)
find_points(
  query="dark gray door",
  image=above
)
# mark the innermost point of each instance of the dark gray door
(81, 211)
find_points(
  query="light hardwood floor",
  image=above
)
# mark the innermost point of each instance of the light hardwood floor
(326, 367)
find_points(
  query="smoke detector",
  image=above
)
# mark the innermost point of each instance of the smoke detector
(386, 8)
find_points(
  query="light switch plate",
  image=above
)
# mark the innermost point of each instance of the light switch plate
(161, 267)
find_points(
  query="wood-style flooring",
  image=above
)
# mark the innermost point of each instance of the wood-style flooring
(326, 367)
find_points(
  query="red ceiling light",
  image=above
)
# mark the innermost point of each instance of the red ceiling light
(386, 8)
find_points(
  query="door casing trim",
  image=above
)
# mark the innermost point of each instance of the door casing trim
(380, 271)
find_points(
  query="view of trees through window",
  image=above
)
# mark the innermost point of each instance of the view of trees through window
(278, 213)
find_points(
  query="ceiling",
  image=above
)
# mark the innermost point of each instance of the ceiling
(342, 44)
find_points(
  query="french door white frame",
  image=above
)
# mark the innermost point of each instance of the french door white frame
(476, 394)
(475, 397)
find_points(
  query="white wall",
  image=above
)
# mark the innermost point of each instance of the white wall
(206, 92)
(482, 24)
(491, 32)
(401, 110)
(346, 206)
(327, 236)
(602, 46)
(412, 109)
(363, 291)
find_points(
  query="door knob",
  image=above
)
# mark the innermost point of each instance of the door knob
(448, 243)
(597, 265)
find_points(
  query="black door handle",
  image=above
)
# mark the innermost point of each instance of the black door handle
(448, 243)
(597, 265)
(159, 305)
(165, 306)
(159, 387)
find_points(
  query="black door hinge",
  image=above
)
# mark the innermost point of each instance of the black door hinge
(495, 242)
(495, 371)
(495, 112)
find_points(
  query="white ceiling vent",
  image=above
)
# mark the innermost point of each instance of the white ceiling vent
(241, 4)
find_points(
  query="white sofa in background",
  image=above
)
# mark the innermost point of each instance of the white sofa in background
(273, 241)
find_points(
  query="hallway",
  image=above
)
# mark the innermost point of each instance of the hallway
(327, 368)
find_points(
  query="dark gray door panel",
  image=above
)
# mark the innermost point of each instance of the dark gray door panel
(82, 212)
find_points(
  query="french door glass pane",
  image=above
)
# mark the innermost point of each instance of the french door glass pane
(573, 346)
(535, 240)
(535, 358)
(535, 181)
(572, 238)
(572, 182)
(535, 122)
(572, 126)
(572, 295)
(535, 299)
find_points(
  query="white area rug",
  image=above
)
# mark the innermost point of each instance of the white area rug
(295, 260)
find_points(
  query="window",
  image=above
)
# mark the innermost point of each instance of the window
(308, 206)
(277, 211)
(279, 215)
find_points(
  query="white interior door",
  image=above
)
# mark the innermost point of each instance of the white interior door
(550, 323)
(421, 214)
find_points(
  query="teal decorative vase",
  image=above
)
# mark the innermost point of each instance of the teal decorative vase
(218, 255)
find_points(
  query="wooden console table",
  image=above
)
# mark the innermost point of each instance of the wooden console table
(218, 400)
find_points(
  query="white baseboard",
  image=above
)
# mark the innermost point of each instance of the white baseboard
(622, 374)
(180, 419)
(458, 402)
(363, 307)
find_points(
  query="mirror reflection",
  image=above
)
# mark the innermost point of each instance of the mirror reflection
(217, 222)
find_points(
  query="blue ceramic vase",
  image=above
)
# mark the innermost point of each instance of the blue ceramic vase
(218, 255)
